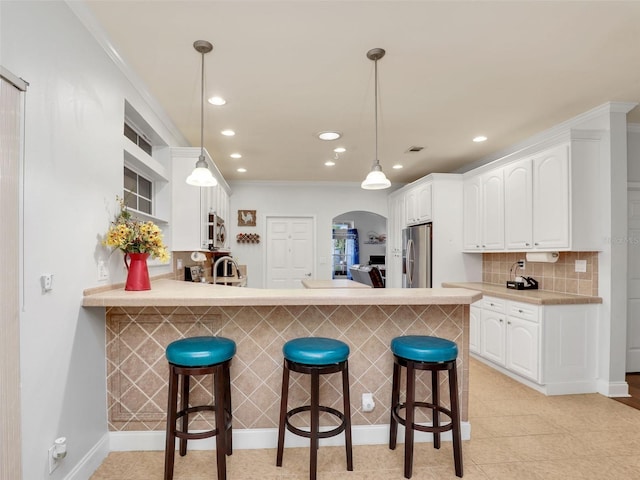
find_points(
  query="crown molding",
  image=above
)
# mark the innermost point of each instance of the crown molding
(80, 9)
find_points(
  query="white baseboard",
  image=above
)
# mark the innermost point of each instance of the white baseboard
(613, 389)
(91, 461)
(255, 438)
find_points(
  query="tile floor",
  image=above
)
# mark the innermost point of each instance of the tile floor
(517, 433)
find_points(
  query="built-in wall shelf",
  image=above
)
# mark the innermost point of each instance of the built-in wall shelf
(144, 163)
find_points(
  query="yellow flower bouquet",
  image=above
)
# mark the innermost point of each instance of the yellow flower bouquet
(133, 236)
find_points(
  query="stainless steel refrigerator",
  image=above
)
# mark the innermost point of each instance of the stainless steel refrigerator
(416, 256)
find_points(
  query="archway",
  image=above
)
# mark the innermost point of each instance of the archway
(359, 238)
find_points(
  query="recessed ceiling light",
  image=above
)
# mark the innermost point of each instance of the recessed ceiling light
(329, 163)
(480, 138)
(217, 101)
(228, 133)
(339, 149)
(241, 170)
(235, 155)
(329, 135)
(397, 166)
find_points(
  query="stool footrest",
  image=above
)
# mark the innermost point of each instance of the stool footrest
(307, 434)
(424, 428)
(208, 433)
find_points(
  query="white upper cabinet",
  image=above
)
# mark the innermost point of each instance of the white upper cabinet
(418, 204)
(518, 209)
(493, 210)
(551, 215)
(548, 201)
(483, 212)
(191, 205)
(472, 213)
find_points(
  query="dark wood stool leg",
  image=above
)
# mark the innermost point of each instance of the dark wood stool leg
(220, 400)
(172, 406)
(283, 412)
(315, 423)
(184, 420)
(347, 415)
(395, 400)
(408, 436)
(455, 418)
(435, 400)
(227, 408)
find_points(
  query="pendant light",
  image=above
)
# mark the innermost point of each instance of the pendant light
(376, 180)
(201, 175)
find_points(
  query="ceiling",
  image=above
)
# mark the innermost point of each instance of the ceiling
(453, 70)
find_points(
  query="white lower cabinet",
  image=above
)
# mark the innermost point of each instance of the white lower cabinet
(551, 348)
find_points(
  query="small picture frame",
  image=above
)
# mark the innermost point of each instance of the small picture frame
(246, 218)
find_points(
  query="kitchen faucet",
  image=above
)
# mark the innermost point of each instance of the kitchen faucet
(226, 258)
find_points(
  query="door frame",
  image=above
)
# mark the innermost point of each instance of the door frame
(265, 248)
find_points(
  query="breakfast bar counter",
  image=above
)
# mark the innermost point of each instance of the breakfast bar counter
(139, 326)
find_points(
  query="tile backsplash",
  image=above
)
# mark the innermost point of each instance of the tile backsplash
(558, 277)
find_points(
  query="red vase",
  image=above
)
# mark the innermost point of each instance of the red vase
(138, 274)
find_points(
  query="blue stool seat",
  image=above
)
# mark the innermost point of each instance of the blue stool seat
(200, 351)
(315, 351)
(422, 348)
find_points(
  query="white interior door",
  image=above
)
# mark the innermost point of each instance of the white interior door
(633, 283)
(290, 251)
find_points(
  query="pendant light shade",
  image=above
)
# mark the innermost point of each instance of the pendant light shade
(376, 179)
(201, 175)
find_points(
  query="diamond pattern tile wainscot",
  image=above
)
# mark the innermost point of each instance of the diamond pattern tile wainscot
(137, 368)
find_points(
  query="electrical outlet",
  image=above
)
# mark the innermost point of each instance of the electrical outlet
(46, 280)
(103, 272)
(521, 264)
(581, 266)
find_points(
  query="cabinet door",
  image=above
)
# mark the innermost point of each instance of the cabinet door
(522, 347)
(472, 214)
(551, 198)
(518, 206)
(493, 210)
(492, 336)
(423, 203)
(474, 329)
(411, 206)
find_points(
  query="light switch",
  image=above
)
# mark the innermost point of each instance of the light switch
(581, 266)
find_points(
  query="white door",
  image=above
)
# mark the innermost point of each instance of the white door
(474, 328)
(290, 251)
(493, 210)
(472, 214)
(492, 336)
(522, 347)
(633, 283)
(551, 198)
(518, 209)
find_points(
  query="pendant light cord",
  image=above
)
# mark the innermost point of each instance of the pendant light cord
(376, 105)
(202, 107)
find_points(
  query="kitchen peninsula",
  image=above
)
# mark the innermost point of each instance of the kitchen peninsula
(141, 324)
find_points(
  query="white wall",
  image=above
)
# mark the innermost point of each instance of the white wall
(324, 201)
(72, 173)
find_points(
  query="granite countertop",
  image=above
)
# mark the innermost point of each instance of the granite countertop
(166, 292)
(537, 297)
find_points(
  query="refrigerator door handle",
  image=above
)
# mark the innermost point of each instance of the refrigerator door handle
(409, 266)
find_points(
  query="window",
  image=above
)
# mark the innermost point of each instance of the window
(138, 192)
(132, 134)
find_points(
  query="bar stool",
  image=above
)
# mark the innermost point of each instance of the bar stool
(315, 356)
(199, 356)
(419, 352)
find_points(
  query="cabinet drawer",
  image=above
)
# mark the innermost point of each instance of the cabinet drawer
(524, 311)
(494, 304)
